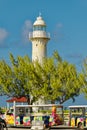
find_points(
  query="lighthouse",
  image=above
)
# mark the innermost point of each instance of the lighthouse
(39, 38)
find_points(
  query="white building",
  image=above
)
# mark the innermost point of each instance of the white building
(39, 38)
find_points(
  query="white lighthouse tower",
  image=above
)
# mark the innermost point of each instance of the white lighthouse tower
(39, 38)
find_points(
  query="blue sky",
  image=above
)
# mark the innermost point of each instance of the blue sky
(66, 21)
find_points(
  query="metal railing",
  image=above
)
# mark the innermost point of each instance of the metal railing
(39, 34)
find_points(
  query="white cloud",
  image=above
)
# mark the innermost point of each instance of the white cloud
(58, 34)
(59, 25)
(27, 27)
(28, 24)
(3, 34)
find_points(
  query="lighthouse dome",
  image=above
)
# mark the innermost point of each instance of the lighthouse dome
(39, 21)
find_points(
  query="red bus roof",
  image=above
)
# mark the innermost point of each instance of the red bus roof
(16, 99)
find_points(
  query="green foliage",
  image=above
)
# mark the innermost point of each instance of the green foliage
(84, 69)
(61, 80)
(52, 80)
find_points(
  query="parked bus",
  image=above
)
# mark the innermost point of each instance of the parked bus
(21, 114)
(77, 114)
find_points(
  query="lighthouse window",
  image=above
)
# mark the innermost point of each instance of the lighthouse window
(39, 28)
(43, 28)
(35, 28)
